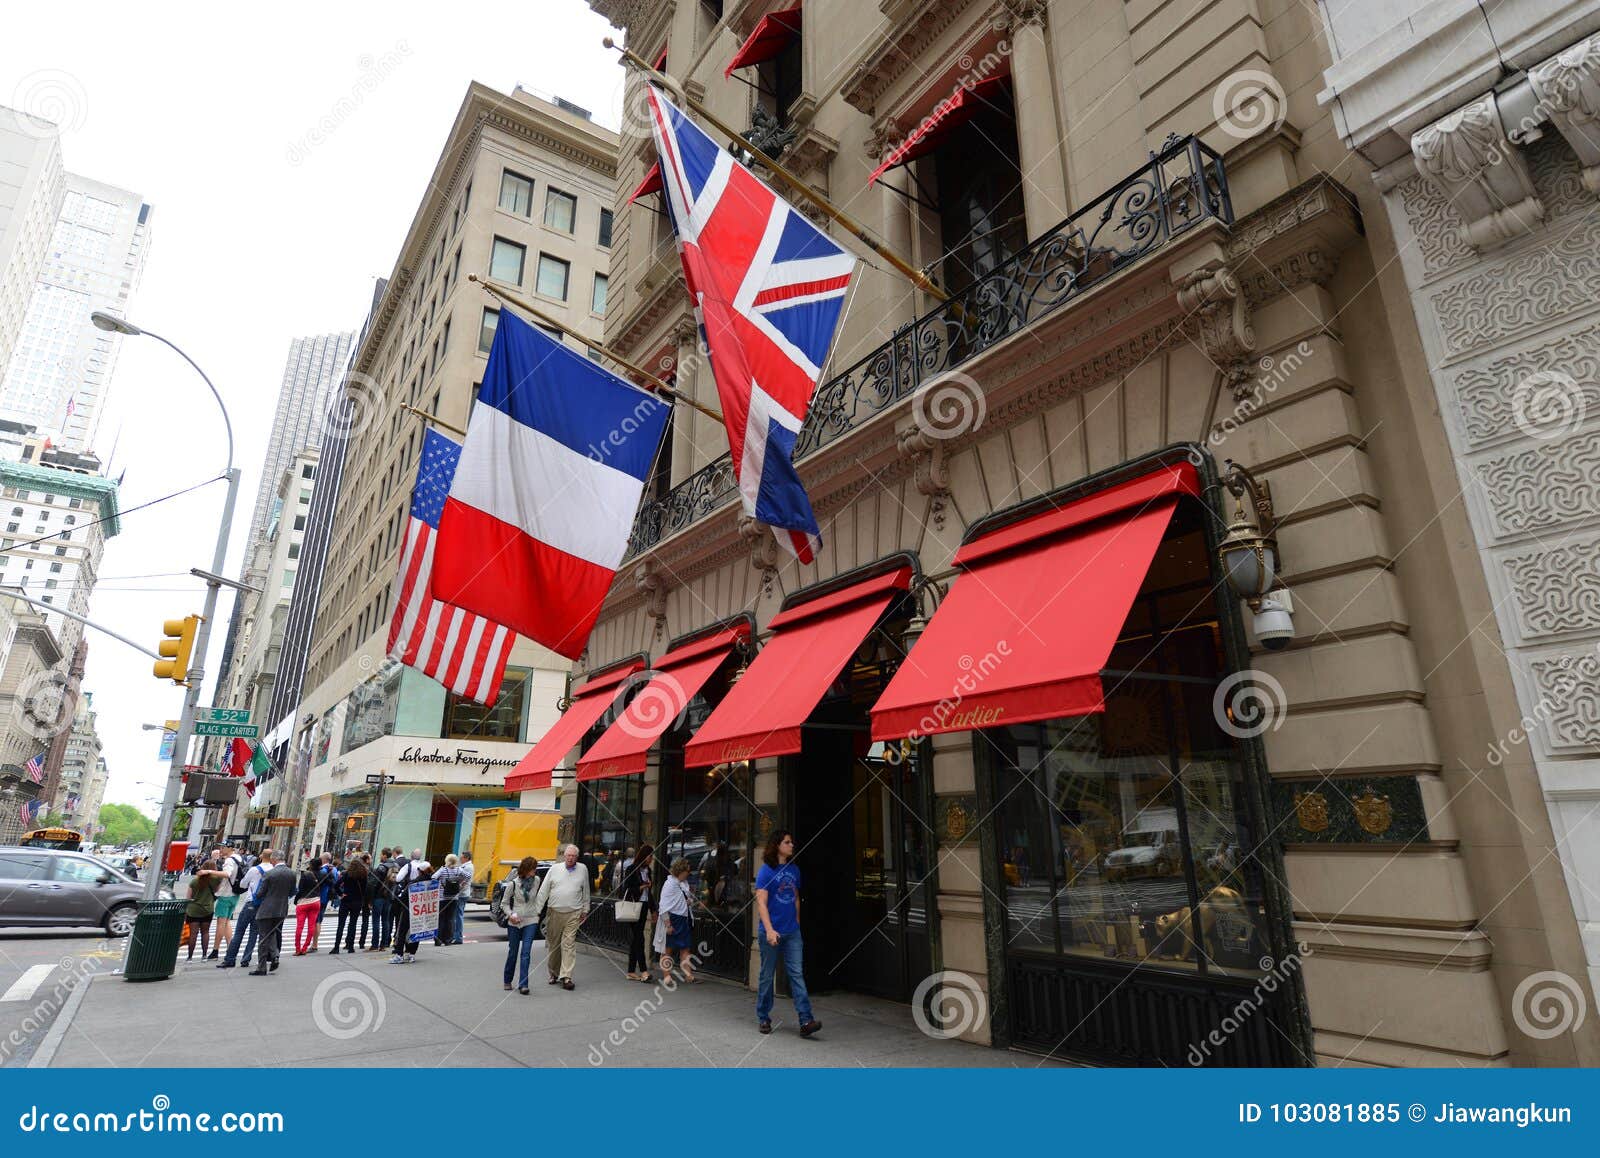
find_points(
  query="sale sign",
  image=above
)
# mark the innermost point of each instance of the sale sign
(424, 897)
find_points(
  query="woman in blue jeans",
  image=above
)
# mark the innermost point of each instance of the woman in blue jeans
(778, 903)
(521, 925)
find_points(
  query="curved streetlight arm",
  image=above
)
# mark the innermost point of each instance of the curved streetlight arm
(226, 421)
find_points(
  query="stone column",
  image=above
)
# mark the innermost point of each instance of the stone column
(894, 225)
(686, 435)
(1039, 151)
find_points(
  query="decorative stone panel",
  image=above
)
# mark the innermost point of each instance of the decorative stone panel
(1556, 588)
(1567, 687)
(1546, 486)
(1435, 226)
(1362, 810)
(1493, 397)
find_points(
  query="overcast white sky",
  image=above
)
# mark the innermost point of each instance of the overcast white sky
(206, 111)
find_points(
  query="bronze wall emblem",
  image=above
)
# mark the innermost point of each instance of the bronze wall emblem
(956, 820)
(1372, 812)
(1311, 810)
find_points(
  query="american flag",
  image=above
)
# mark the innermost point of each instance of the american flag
(465, 652)
(36, 768)
(30, 811)
(72, 801)
(769, 289)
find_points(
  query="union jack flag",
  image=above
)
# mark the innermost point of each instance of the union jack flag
(768, 288)
(36, 768)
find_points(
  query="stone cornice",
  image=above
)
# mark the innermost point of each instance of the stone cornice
(1294, 239)
(573, 148)
(904, 48)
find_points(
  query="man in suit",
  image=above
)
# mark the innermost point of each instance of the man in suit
(272, 909)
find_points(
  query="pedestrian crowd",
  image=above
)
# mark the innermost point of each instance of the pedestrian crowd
(237, 906)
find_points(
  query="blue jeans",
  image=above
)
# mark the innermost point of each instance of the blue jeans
(382, 922)
(458, 926)
(791, 950)
(244, 933)
(519, 944)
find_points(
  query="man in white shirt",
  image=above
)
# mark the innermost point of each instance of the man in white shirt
(561, 906)
(244, 927)
(405, 949)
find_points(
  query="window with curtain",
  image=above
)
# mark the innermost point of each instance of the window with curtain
(516, 193)
(506, 261)
(560, 210)
(553, 273)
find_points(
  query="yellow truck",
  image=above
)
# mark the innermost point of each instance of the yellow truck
(501, 837)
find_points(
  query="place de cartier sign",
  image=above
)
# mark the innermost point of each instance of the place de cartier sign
(459, 757)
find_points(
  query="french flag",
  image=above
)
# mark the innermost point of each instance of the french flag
(543, 500)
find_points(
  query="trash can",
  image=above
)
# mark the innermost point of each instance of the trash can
(153, 945)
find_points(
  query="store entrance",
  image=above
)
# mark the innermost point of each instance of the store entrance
(864, 851)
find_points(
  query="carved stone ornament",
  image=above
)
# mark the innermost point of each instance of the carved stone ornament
(1219, 319)
(929, 468)
(1568, 88)
(651, 579)
(1469, 158)
(763, 546)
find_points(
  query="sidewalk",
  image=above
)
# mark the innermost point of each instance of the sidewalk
(449, 1009)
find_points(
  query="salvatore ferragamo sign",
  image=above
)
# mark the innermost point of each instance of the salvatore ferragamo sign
(463, 757)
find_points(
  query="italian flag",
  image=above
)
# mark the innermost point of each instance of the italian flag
(247, 760)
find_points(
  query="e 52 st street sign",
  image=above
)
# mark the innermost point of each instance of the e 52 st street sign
(221, 716)
(248, 731)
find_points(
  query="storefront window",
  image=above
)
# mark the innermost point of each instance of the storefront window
(609, 815)
(468, 720)
(1124, 835)
(371, 708)
(707, 822)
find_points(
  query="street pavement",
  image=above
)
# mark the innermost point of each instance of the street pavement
(449, 1009)
(39, 968)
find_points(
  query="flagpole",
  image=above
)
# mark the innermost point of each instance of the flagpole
(921, 280)
(433, 418)
(656, 384)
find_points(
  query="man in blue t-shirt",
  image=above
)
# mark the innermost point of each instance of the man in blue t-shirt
(778, 903)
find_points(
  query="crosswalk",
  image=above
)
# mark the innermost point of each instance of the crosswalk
(28, 984)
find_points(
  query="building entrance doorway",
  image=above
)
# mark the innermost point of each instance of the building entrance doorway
(865, 851)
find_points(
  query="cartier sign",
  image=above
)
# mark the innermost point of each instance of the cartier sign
(465, 757)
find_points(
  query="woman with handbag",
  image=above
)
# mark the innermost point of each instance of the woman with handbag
(675, 923)
(634, 905)
(522, 926)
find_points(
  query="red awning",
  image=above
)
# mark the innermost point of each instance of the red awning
(1024, 633)
(589, 703)
(771, 36)
(948, 115)
(763, 712)
(650, 184)
(680, 674)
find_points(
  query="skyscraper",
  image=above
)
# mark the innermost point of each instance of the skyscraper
(59, 372)
(32, 185)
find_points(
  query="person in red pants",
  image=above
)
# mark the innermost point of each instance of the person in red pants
(307, 908)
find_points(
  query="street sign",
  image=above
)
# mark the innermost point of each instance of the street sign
(377, 778)
(222, 715)
(248, 731)
(282, 822)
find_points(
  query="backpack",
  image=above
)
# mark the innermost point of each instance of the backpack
(452, 887)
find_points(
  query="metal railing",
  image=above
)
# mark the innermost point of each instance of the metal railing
(1178, 188)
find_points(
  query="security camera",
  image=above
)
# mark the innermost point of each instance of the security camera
(1273, 621)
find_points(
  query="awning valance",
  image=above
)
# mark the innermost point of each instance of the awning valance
(651, 184)
(680, 674)
(771, 36)
(589, 702)
(763, 713)
(947, 116)
(1027, 628)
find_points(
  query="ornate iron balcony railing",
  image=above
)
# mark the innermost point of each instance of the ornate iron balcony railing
(1178, 188)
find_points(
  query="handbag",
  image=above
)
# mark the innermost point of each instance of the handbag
(629, 911)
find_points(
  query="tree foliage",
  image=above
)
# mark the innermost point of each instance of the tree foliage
(125, 824)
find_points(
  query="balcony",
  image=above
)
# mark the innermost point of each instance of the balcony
(1178, 188)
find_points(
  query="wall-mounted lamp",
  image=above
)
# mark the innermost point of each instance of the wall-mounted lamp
(1249, 555)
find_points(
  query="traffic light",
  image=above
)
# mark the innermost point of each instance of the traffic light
(176, 648)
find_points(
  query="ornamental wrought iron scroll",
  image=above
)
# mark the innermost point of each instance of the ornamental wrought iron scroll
(1178, 188)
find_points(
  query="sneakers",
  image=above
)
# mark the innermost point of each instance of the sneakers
(766, 1027)
(508, 987)
(810, 1027)
(397, 959)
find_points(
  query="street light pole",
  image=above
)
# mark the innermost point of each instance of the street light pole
(196, 673)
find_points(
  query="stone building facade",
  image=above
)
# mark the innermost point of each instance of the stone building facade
(1489, 172)
(1161, 256)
